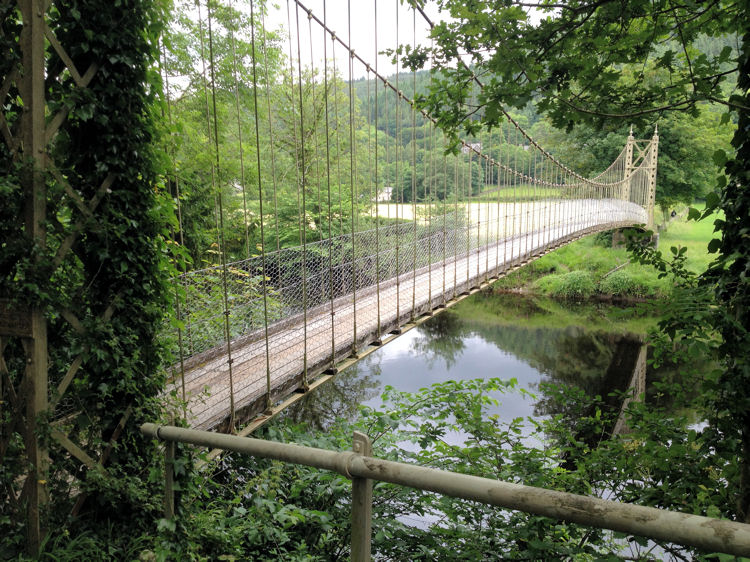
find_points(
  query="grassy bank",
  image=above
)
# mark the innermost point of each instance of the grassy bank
(591, 267)
(540, 312)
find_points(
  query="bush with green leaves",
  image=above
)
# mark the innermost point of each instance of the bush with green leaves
(604, 238)
(622, 283)
(248, 508)
(573, 285)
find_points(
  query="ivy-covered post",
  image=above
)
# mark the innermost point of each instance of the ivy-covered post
(84, 266)
(33, 153)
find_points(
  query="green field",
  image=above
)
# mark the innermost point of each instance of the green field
(524, 192)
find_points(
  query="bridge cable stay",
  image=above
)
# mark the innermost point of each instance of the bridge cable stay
(220, 199)
(497, 172)
(239, 138)
(414, 175)
(468, 188)
(293, 109)
(337, 127)
(315, 133)
(379, 326)
(264, 41)
(373, 149)
(174, 180)
(530, 209)
(332, 360)
(397, 178)
(456, 186)
(516, 227)
(303, 188)
(486, 194)
(352, 177)
(342, 285)
(504, 136)
(430, 203)
(264, 286)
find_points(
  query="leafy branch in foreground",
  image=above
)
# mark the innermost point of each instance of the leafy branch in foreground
(592, 60)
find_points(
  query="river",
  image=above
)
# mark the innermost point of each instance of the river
(592, 354)
(594, 347)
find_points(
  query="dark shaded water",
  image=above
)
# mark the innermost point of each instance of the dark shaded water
(593, 347)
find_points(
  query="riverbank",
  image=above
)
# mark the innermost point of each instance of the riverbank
(592, 268)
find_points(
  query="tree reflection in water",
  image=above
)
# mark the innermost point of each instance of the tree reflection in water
(442, 337)
(340, 397)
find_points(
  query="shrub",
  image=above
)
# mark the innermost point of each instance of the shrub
(622, 283)
(604, 239)
(573, 285)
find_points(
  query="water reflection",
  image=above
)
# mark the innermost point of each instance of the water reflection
(592, 348)
(441, 338)
(339, 398)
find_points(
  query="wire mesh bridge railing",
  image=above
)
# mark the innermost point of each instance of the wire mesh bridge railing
(387, 223)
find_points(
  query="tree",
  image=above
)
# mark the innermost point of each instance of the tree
(686, 170)
(439, 180)
(590, 61)
(549, 62)
(319, 153)
(197, 77)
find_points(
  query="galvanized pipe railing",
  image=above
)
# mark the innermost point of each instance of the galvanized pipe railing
(706, 533)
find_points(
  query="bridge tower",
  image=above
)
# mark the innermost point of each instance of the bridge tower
(638, 153)
(628, 165)
(653, 155)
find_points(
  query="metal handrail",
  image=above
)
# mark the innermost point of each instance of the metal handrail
(706, 533)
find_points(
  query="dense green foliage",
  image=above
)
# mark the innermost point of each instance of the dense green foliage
(640, 46)
(266, 510)
(101, 274)
(731, 273)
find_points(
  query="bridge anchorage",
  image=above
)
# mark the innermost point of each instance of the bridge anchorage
(390, 227)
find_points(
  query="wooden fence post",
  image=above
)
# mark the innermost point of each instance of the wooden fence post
(361, 504)
(169, 455)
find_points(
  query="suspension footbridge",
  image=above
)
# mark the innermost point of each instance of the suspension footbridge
(254, 370)
(251, 332)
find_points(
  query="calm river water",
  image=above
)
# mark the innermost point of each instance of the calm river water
(496, 335)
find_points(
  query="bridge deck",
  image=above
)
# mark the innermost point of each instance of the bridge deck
(294, 345)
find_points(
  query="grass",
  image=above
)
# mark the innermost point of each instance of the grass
(695, 237)
(578, 284)
(524, 192)
(589, 266)
(541, 312)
